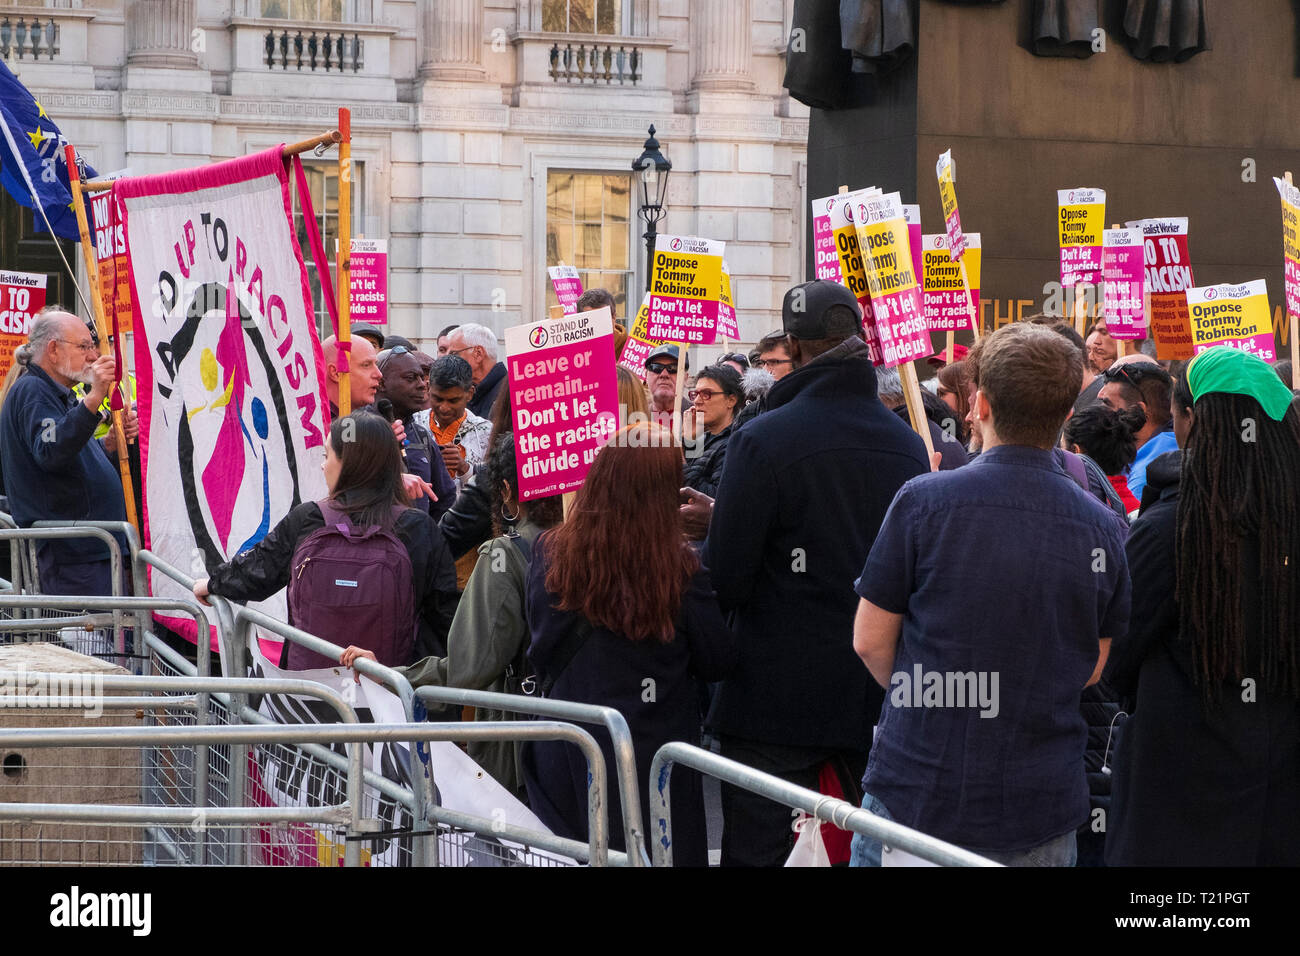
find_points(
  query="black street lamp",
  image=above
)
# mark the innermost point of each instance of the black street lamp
(653, 170)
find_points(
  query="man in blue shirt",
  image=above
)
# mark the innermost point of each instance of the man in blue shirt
(989, 601)
(1137, 381)
(53, 467)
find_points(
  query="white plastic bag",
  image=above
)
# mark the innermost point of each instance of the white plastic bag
(809, 850)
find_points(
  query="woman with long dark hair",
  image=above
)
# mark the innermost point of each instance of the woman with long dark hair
(623, 614)
(1207, 768)
(363, 471)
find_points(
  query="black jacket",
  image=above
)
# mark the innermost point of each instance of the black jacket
(264, 569)
(1193, 788)
(704, 468)
(802, 496)
(485, 393)
(468, 522)
(653, 684)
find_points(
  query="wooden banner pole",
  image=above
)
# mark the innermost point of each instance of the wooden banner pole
(344, 269)
(101, 328)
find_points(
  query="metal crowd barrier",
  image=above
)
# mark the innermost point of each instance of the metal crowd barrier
(612, 720)
(841, 813)
(164, 776)
(345, 816)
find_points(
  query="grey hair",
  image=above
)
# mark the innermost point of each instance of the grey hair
(43, 330)
(480, 335)
(888, 384)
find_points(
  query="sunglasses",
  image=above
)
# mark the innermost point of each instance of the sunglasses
(1117, 372)
(742, 360)
(658, 368)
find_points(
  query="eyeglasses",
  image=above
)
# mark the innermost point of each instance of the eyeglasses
(658, 368)
(458, 351)
(84, 346)
(704, 393)
(767, 363)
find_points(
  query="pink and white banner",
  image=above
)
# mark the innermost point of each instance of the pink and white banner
(564, 398)
(1123, 293)
(826, 258)
(232, 404)
(567, 285)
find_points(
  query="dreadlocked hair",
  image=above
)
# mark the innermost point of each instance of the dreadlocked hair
(1240, 492)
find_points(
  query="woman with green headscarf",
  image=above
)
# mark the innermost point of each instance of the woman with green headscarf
(1207, 767)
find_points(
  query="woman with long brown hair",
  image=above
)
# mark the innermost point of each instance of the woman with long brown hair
(623, 614)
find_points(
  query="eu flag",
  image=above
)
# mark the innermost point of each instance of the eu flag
(32, 142)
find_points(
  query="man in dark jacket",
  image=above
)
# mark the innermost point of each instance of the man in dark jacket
(54, 468)
(805, 487)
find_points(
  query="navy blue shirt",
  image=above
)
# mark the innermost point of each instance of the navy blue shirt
(1007, 574)
(53, 467)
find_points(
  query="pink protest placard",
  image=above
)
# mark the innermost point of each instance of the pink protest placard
(1168, 277)
(568, 287)
(1081, 219)
(369, 285)
(727, 325)
(946, 171)
(948, 308)
(685, 290)
(826, 258)
(891, 277)
(852, 265)
(564, 399)
(1122, 274)
(1236, 315)
(912, 216)
(638, 347)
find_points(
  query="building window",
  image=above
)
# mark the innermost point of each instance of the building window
(588, 226)
(323, 182)
(583, 16)
(325, 11)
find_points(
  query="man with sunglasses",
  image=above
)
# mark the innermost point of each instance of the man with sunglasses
(53, 468)
(1136, 381)
(405, 385)
(661, 382)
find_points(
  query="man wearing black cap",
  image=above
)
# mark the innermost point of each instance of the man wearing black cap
(805, 488)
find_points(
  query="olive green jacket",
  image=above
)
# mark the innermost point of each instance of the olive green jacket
(487, 635)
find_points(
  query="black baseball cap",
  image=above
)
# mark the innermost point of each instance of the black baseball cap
(820, 309)
(371, 333)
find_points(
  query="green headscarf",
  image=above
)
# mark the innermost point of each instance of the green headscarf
(1230, 370)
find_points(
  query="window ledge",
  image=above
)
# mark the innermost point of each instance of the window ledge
(321, 26)
(601, 39)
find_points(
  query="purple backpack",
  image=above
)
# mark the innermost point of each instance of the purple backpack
(351, 586)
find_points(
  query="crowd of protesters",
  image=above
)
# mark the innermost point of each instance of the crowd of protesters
(1070, 635)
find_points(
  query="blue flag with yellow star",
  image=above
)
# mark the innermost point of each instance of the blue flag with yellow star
(30, 141)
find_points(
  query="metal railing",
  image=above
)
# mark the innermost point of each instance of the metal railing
(337, 51)
(25, 37)
(346, 815)
(832, 810)
(594, 63)
(612, 720)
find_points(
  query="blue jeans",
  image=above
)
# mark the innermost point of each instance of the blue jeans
(1060, 851)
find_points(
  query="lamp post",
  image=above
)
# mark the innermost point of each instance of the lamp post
(653, 171)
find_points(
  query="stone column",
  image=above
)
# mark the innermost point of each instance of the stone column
(452, 40)
(159, 33)
(721, 45)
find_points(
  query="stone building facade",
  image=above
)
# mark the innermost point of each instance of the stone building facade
(491, 137)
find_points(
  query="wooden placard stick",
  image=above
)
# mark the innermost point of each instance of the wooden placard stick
(344, 254)
(1293, 322)
(101, 327)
